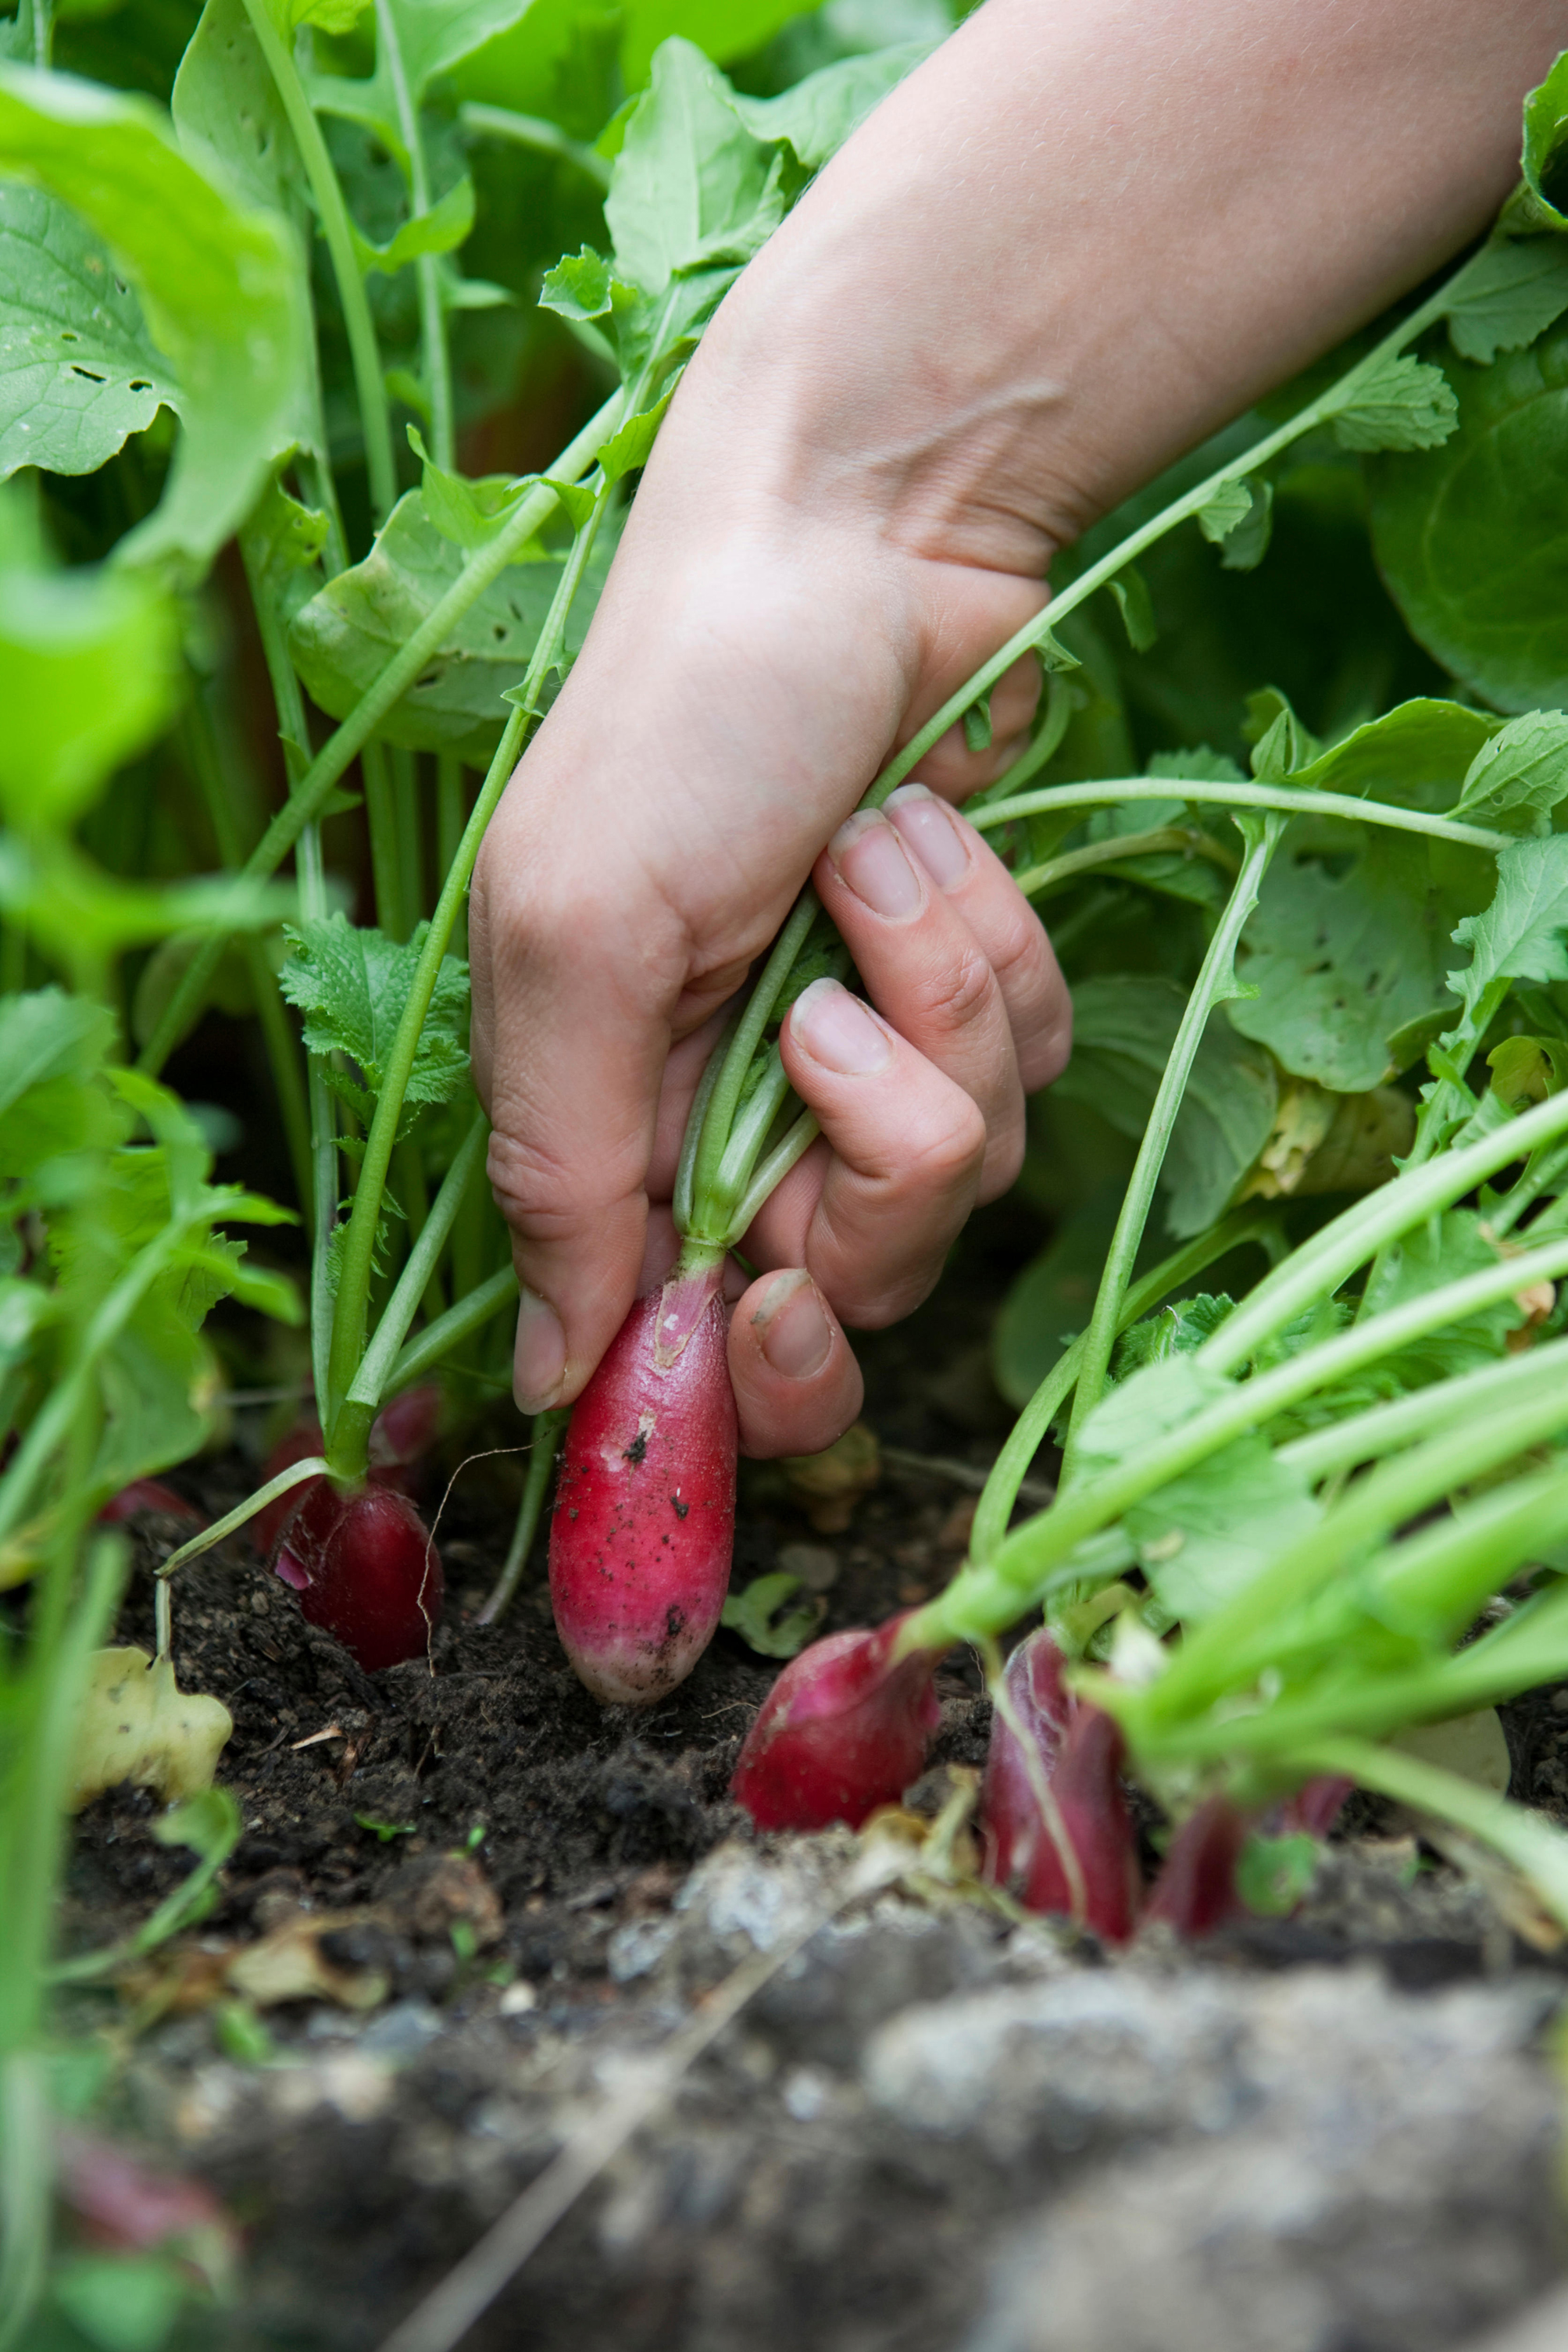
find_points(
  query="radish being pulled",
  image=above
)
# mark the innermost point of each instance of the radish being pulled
(845, 1729)
(1058, 1832)
(644, 1526)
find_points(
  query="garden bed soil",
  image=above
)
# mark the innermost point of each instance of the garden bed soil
(466, 1897)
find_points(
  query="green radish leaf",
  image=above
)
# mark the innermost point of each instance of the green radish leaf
(583, 286)
(284, 541)
(1052, 1300)
(78, 373)
(222, 291)
(1122, 1031)
(1421, 1262)
(231, 121)
(1472, 539)
(122, 2302)
(1239, 519)
(1282, 746)
(1520, 935)
(1207, 1534)
(631, 445)
(1274, 1873)
(1513, 291)
(52, 1048)
(692, 189)
(1516, 779)
(1200, 765)
(469, 513)
(1406, 404)
(1134, 602)
(1525, 1070)
(1545, 135)
(344, 637)
(352, 985)
(817, 114)
(1418, 755)
(1175, 1330)
(89, 673)
(757, 1613)
(1337, 962)
(440, 230)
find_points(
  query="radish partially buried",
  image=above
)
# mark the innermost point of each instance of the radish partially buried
(644, 1527)
(366, 1569)
(1059, 1833)
(845, 1729)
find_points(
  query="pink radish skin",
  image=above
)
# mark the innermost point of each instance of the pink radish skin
(366, 1570)
(402, 1431)
(1076, 1750)
(644, 1527)
(1315, 1807)
(845, 1729)
(151, 1494)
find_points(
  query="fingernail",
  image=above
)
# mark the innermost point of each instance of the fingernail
(792, 1326)
(929, 831)
(869, 855)
(539, 1363)
(836, 1030)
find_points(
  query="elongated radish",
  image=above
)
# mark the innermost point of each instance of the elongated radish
(845, 1729)
(366, 1569)
(1058, 1832)
(644, 1525)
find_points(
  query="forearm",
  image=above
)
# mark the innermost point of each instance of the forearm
(1087, 232)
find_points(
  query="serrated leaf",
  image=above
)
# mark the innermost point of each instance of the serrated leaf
(1230, 504)
(631, 445)
(1246, 546)
(1282, 746)
(1406, 404)
(1510, 292)
(1517, 779)
(79, 372)
(817, 115)
(352, 985)
(1440, 1251)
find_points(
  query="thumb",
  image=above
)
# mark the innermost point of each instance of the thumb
(571, 1029)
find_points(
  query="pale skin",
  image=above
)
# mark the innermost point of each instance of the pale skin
(1083, 235)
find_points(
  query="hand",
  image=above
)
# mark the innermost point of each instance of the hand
(1071, 244)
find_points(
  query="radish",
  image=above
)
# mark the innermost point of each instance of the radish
(359, 1554)
(151, 1494)
(845, 1729)
(366, 1569)
(1058, 1831)
(643, 1524)
(1195, 1891)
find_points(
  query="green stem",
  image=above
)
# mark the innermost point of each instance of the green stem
(987, 1596)
(1103, 792)
(1035, 880)
(1027, 1433)
(282, 1045)
(27, 2188)
(364, 1399)
(323, 1137)
(1215, 982)
(386, 842)
(435, 368)
(438, 1339)
(1383, 1428)
(369, 386)
(532, 131)
(297, 1473)
(544, 1437)
(314, 788)
(351, 1308)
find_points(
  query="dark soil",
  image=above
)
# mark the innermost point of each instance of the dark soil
(482, 1882)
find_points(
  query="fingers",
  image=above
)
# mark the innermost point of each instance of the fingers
(797, 1384)
(873, 1210)
(954, 957)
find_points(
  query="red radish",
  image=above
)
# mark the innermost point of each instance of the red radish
(366, 1569)
(644, 1526)
(151, 1494)
(1195, 1891)
(844, 1728)
(124, 2205)
(1083, 1861)
(402, 1431)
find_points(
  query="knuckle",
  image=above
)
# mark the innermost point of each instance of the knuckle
(543, 1197)
(954, 997)
(1003, 1160)
(948, 1155)
(1049, 1050)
